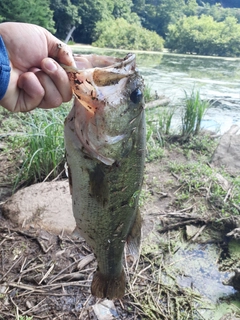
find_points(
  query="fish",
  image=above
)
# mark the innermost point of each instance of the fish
(105, 141)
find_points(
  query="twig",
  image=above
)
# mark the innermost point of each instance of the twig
(25, 287)
(177, 225)
(33, 308)
(18, 260)
(55, 179)
(149, 266)
(84, 306)
(17, 308)
(56, 276)
(51, 172)
(236, 206)
(198, 233)
(47, 273)
(227, 195)
(67, 284)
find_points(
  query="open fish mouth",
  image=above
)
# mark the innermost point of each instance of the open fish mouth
(92, 72)
(100, 86)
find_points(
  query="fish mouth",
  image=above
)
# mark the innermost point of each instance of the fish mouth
(93, 72)
(95, 61)
(103, 87)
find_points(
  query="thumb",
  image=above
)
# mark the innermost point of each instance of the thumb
(58, 50)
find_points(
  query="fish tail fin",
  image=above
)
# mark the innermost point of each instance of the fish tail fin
(109, 287)
(134, 237)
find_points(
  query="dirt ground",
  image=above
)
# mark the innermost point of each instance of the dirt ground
(44, 276)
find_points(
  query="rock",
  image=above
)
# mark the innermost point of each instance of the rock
(46, 205)
(105, 310)
(191, 231)
(234, 281)
(227, 153)
(235, 233)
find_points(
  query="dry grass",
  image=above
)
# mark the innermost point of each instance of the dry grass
(44, 276)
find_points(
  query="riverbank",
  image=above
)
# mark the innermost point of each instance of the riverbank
(182, 265)
(76, 48)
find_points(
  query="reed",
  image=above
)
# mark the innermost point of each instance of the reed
(193, 113)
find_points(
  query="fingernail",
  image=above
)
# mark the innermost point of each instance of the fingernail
(50, 65)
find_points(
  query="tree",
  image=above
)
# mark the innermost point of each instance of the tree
(120, 34)
(123, 9)
(158, 14)
(205, 36)
(218, 12)
(91, 12)
(65, 16)
(31, 11)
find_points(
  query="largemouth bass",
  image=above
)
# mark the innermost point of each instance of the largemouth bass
(105, 148)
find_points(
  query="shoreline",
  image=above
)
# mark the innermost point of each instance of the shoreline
(164, 52)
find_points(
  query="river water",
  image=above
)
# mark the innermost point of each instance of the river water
(173, 75)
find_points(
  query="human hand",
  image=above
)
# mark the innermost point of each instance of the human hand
(36, 80)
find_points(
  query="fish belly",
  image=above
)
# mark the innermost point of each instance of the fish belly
(105, 206)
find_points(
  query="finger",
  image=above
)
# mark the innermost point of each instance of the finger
(59, 78)
(31, 93)
(52, 97)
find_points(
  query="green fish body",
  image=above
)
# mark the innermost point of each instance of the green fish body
(105, 147)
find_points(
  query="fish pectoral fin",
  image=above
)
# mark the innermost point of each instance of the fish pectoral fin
(134, 237)
(107, 286)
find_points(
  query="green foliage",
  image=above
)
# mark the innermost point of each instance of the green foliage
(165, 120)
(91, 12)
(65, 16)
(147, 93)
(218, 12)
(199, 179)
(157, 14)
(123, 35)
(205, 36)
(202, 144)
(41, 144)
(31, 11)
(122, 9)
(193, 113)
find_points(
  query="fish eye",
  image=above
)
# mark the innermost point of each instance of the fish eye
(136, 96)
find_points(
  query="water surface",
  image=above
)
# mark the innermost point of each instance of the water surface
(174, 75)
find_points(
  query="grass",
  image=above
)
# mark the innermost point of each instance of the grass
(217, 190)
(148, 96)
(41, 145)
(38, 136)
(159, 126)
(193, 113)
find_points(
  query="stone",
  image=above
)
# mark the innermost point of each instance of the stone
(46, 205)
(234, 280)
(227, 153)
